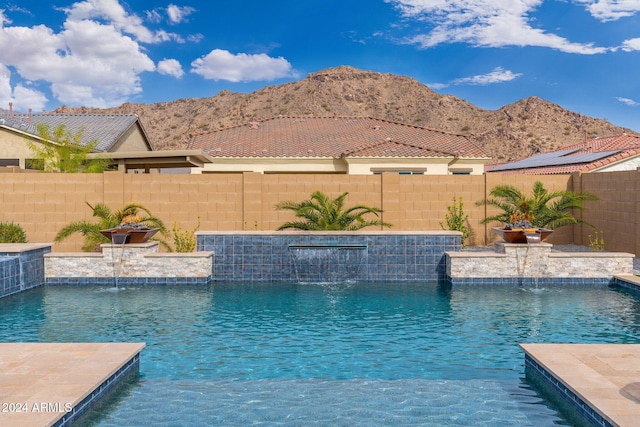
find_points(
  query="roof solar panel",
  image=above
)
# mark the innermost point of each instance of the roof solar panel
(538, 159)
(582, 158)
(556, 158)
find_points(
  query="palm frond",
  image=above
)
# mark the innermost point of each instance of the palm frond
(544, 209)
(321, 212)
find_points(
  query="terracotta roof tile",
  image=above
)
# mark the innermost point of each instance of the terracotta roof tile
(294, 137)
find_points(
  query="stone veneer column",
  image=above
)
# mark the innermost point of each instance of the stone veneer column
(527, 260)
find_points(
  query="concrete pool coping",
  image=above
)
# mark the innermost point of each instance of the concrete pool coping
(53, 384)
(600, 382)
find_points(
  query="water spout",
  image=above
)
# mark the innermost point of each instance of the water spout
(327, 263)
(533, 237)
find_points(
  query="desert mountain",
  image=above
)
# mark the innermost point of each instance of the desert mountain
(512, 132)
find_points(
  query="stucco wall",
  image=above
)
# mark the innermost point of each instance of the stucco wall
(14, 146)
(133, 140)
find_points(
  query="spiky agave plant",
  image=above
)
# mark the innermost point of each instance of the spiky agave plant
(108, 218)
(321, 212)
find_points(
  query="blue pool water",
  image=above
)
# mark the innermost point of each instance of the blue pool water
(364, 354)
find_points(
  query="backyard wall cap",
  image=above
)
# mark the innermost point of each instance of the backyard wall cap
(591, 255)
(329, 233)
(23, 247)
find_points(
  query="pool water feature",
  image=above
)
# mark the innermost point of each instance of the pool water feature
(327, 263)
(357, 354)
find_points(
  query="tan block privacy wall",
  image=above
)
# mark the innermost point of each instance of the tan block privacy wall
(43, 203)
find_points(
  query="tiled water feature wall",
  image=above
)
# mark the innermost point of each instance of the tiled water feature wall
(381, 256)
(21, 266)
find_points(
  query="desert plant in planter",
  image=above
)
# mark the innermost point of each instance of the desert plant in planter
(541, 209)
(537, 214)
(131, 216)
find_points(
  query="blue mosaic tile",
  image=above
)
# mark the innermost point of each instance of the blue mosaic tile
(389, 257)
(527, 281)
(127, 372)
(629, 286)
(572, 406)
(20, 271)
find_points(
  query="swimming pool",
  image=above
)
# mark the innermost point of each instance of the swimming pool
(364, 354)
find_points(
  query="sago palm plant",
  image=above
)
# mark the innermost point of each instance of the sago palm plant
(543, 209)
(108, 218)
(321, 212)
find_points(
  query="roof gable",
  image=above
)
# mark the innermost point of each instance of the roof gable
(106, 129)
(296, 137)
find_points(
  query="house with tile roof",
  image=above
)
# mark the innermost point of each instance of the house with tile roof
(339, 145)
(120, 137)
(603, 154)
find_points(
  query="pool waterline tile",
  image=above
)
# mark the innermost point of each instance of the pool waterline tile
(588, 380)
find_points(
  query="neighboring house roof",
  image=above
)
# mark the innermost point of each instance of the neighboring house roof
(106, 129)
(587, 156)
(334, 137)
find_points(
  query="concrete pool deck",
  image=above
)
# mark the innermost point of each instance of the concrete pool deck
(53, 384)
(604, 377)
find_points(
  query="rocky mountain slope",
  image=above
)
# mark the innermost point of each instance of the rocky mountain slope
(512, 132)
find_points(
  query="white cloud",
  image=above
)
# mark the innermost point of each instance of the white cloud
(96, 60)
(498, 75)
(112, 12)
(25, 98)
(611, 10)
(223, 65)
(631, 45)
(170, 67)
(628, 101)
(153, 16)
(22, 97)
(5, 87)
(485, 23)
(178, 14)
(174, 14)
(437, 86)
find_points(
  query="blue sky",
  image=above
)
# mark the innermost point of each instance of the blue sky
(581, 54)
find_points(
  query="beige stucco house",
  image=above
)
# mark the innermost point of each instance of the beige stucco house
(120, 137)
(337, 145)
(112, 133)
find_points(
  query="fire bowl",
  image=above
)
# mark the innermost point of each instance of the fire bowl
(519, 235)
(129, 235)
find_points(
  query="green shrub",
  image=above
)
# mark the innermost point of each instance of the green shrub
(597, 243)
(457, 220)
(184, 240)
(12, 233)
